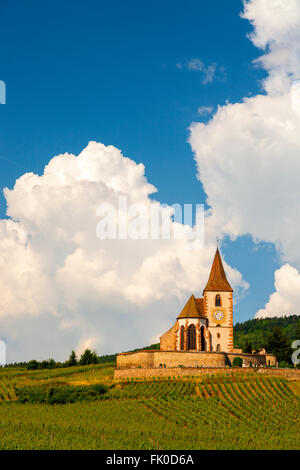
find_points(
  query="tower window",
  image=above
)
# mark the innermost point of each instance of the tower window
(218, 300)
(218, 335)
(218, 348)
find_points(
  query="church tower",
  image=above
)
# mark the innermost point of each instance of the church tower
(218, 307)
(205, 324)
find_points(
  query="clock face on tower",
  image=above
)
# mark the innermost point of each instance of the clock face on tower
(218, 315)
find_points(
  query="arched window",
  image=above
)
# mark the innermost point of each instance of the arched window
(218, 348)
(218, 300)
(182, 338)
(191, 337)
(202, 338)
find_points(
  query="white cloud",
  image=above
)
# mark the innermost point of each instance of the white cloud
(87, 343)
(202, 110)
(248, 158)
(248, 154)
(276, 29)
(286, 299)
(209, 72)
(62, 288)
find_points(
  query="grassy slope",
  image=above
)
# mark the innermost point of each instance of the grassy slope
(240, 412)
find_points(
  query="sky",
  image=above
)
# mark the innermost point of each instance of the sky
(197, 99)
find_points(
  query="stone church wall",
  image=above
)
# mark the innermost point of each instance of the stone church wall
(158, 359)
(168, 339)
(134, 360)
(165, 359)
(189, 359)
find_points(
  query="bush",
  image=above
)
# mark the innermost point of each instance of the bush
(46, 364)
(237, 362)
(60, 394)
(285, 365)
(33, 365)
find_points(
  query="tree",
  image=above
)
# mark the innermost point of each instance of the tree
(248, 347)
(297, 331)
(278, 343)
(51, 363)
(32, 365)
(88, 357)
(237, 362)
(72, 361)
(47, 364)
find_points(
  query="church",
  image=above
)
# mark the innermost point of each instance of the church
(202, 335)
(205, 323)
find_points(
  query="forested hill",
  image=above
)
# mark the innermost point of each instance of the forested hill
(257, 330)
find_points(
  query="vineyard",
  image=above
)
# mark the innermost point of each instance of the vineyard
(241, 411)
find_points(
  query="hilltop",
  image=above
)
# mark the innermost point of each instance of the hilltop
(254, 331)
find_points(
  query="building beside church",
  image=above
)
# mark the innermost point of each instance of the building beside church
(202, 335)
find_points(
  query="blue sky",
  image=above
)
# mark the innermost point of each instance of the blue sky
(116, 72)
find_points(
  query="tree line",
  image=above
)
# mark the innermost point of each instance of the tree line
(87, 357)
(274, 334)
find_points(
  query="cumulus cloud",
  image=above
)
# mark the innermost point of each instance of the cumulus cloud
(286, 299)
(63, 288)
(248, 154)
(276, 30)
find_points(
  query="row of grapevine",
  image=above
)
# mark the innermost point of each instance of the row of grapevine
(6, 390)
(214, 412)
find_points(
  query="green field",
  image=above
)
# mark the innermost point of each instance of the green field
(241, 411)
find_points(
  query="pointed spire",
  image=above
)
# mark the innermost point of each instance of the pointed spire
(217, 279)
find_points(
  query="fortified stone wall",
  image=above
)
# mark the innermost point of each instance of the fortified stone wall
(189, 359)
(156, 359)
(293, 374)
(134, 360)
(145, 359)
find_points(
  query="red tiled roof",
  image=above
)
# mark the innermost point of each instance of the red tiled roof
(194, 308)
(217, 280)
